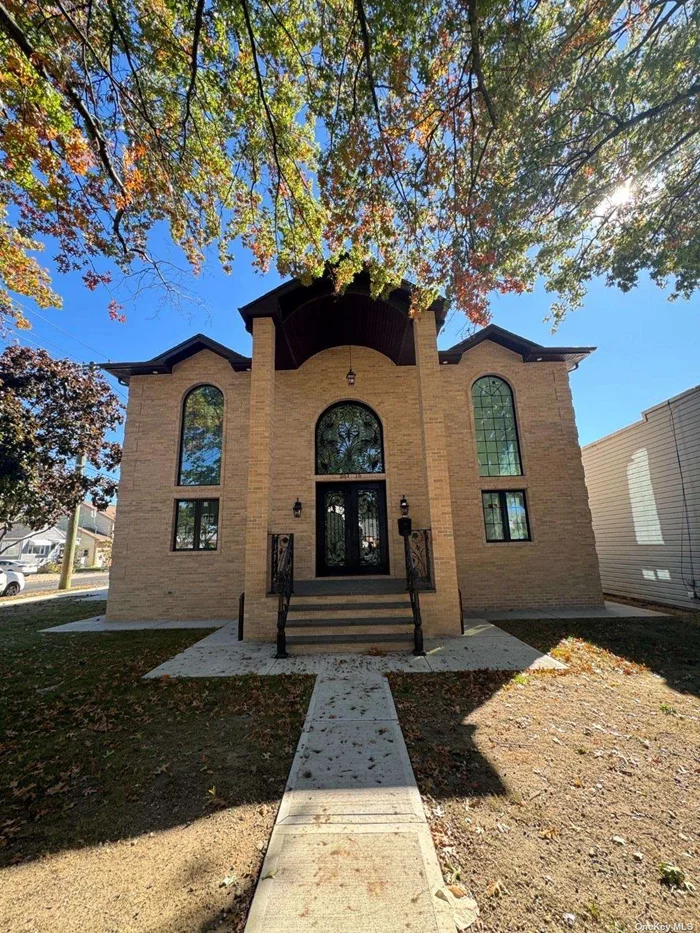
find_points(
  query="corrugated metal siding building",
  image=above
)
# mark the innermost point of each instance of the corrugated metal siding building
(644, 491)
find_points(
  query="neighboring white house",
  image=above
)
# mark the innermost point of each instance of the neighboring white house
(644, 491)
(93, 545)
(46, 545)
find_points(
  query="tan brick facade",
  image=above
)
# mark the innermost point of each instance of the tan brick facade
(430, 457)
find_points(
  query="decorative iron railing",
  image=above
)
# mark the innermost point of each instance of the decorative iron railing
(417, 556)
(279, 545)
(282, 583)
(418, 542)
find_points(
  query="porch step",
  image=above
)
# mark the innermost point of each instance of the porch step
(341, 606)
(349, 639)
(340, 623)
(387, 586)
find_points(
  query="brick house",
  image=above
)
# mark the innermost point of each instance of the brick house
(347, 416)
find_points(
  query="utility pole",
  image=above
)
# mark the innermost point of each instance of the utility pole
(71, 537)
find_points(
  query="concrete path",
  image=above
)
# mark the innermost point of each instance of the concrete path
(611, 610)
(100, 624)
(482, 647)
(351, 851)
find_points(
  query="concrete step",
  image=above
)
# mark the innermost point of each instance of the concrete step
(324, 605)
(354, 622)
(350, 612)
(358, 587)
(348, 599)
(353, 639)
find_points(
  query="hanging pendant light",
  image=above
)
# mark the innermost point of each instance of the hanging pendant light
(351, 376)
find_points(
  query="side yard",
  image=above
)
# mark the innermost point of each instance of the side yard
(569, 799)
(129, 804)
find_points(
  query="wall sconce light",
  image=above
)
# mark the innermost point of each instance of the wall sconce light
(404, 505)
(351, 376)
(297, 509)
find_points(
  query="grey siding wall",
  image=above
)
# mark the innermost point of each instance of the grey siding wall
(644, 491)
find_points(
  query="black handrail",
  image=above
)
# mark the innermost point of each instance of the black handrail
(282, 583)
(413, 585)
(241, 615)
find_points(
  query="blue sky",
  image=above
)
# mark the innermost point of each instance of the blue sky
(647, 347)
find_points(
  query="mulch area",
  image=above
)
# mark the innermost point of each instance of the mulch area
(568, 799)
(128, 804)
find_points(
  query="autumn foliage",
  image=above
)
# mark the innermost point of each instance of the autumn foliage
(469, 145)
(52, 412)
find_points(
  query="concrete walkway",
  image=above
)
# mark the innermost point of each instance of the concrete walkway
(351, 851)
(483, 646)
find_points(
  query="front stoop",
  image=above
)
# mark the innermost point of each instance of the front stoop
(349, 615)
(351, 850)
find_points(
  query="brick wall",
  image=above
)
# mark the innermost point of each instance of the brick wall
(301, 397)
(148, 580)
(558, 567)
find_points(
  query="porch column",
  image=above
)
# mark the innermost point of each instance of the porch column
(260, 612)
(440, 609)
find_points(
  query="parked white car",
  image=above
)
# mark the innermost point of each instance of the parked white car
(11, 583)
(19, 566)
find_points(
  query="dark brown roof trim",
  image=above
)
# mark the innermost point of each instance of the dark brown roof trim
(529, 351)
(163, 364)
(294, 292)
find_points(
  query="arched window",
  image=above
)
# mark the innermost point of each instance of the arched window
(496, 433)
(349, 440)
(200, 444)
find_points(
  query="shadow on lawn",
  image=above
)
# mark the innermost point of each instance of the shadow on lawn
(668, 646)
(444, 754)
(90, 753)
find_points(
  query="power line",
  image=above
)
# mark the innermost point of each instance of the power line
(22, 336)
(67, 333)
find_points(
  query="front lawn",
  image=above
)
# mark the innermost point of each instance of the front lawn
(128, 804)
(565, 800)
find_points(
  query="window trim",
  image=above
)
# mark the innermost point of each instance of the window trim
(506, 539)
(197, 525)
(181, 437)
(488, 476)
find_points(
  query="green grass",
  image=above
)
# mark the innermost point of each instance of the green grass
(90, 752)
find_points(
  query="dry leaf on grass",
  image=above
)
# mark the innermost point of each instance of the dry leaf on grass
(464, 908)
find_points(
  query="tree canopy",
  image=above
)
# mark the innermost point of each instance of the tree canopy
(52, 412)
(468, 145)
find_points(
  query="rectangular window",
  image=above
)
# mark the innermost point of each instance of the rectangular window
(505, 516)
(196, 525)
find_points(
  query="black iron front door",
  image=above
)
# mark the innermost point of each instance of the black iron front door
(351, 535)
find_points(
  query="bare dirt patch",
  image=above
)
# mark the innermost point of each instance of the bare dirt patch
(128, 804)
(555, 798)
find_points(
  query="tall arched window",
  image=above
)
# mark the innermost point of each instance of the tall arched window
(200, 443)
(497, 444)
(349, 440)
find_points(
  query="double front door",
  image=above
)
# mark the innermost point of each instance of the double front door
(351, 535)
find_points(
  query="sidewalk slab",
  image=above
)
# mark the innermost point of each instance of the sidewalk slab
(357, 879)
(100, 624)
(351, 851)
(486, 652)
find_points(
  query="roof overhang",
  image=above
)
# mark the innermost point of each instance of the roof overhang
(529, 351)
(164, 363)
(311, 318)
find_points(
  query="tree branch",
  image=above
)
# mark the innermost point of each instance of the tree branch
(198, 17)
(92, 124)
(476, 59)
